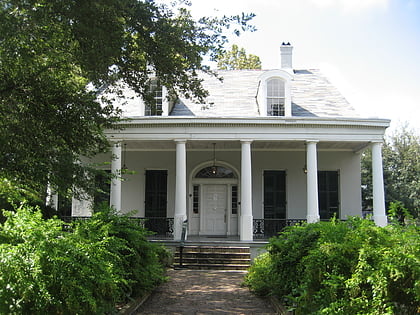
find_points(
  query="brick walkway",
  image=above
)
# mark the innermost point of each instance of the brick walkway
(204, 292)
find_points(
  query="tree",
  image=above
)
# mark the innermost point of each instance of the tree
(237, 59)
(57, 55)
(401, 163)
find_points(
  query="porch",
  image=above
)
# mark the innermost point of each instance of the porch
(263, 229)
(163, 229)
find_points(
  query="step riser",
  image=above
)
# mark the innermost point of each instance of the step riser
(217, 258)
(213, 261)
(216, 249)
(212, 267)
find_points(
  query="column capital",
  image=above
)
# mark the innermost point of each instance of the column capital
(311, 141)
(246, 141)
(180, 140)
(377, 142)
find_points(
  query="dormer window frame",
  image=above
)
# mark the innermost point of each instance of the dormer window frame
(161, 97)
(263, 97)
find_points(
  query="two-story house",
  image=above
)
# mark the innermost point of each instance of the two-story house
(267, 148)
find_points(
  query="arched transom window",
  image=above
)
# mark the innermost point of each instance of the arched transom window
(215, 172)
(275, 97)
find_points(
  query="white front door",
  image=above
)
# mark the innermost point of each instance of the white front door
(214, 209)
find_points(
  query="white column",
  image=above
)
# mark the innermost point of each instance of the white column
(246, 224)
(52, 198)
(379, 214)
(115, 194)
(180, 188)
(312, 182)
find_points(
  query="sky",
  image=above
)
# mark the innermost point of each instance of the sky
(369, 49)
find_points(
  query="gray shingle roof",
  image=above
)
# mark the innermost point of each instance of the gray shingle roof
(234, 96)
(312, 95)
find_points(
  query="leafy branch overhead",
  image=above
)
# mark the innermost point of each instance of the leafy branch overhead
(56, 54)
(237, 59)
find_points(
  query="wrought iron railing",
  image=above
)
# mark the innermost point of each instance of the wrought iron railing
(160, 226)
(265, 228)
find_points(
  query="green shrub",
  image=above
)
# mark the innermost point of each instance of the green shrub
(348, 267)
(86, 269)
(141, 259)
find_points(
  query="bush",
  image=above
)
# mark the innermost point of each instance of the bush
(348, 267)
(85, 270)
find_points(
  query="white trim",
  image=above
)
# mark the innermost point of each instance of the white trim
(165, 101)
(262, 92)
(206, 181)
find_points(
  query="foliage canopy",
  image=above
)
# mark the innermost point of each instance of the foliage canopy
(57, 56)
(237, 59)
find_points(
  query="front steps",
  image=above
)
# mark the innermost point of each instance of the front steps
(213, 257)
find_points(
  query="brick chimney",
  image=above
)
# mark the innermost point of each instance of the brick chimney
(286, 56)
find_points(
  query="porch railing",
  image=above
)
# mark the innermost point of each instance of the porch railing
(266, 228)
(163, 227)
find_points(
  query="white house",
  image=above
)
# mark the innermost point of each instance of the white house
(268, 148)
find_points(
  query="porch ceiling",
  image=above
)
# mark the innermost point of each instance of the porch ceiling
(133, 145)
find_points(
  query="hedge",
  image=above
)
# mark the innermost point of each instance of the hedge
(351, 267)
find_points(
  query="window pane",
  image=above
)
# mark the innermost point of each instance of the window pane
(328, 194)
(196, 199)
(275, 88)
(234, 199)
(155, 109)
(215, 172)
(102, 188)
(275, 106)
(274, 194)
(275, 97)
(156, 193)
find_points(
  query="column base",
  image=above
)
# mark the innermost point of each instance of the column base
(380, 220)
(246, 228)
(178, 220)
(312, 218)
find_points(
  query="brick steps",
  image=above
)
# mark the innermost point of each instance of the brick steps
(214, 257)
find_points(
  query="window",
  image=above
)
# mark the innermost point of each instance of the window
(196, 199)
(275, 97)
(64, 205)
(215, 172)
(156, 193)
(328, 198)
(274, 194)
(154, 106)
(234, 199)
(102, 188)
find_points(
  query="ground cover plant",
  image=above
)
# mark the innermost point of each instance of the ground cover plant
(351, 267)
(49, 267)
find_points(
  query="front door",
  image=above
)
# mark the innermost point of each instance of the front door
(214, 209)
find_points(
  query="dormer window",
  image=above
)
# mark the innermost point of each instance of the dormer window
(155, 107)
(275, 97)
(274, 93)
